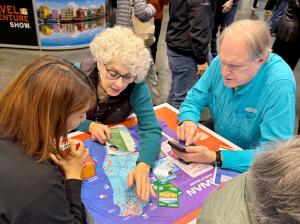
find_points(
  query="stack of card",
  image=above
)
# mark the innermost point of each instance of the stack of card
(121, 141)
(168, 194)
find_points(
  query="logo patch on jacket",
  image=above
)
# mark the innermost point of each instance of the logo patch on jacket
(251, 110)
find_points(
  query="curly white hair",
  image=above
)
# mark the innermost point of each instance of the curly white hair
(121, 42)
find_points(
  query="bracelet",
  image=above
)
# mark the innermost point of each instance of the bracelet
(218, 161)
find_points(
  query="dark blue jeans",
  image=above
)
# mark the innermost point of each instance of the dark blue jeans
(183, 70)
(277, 13)
(221, 20)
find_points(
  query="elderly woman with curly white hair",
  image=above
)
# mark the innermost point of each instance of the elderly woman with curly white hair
(117, 74)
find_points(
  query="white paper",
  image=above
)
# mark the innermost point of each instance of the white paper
(192, 169)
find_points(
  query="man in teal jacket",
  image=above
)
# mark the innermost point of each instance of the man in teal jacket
(250, 93)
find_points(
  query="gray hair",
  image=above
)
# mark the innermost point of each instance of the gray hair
(121, 43)
(276, 184)
(256, 34)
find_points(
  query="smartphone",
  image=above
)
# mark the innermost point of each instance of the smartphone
(177, 145)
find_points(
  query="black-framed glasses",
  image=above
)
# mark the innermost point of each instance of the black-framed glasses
(112, 75)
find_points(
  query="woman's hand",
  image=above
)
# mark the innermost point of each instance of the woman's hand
(188, 132)
(72, 164)
(196, 154)
(100, 132)
(140, 175)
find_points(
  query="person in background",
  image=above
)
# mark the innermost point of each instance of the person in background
(224, 16)
(144, 11)
(188, 36)
(268, 194)
(287, 42)
(159, 7)
(269, 7)
(277, 13)
(37, 110)
(254, 5)
(250, 93)
(117, 73)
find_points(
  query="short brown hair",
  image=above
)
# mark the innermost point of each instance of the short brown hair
(35, 106)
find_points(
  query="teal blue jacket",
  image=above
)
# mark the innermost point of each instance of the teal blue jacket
(261, 111)
(149, 129)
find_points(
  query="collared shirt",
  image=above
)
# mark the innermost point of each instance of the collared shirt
(261, 111)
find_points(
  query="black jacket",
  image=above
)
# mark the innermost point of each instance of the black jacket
(32, 192)
(189, 27)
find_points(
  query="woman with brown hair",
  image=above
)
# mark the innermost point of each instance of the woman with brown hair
(37, 110)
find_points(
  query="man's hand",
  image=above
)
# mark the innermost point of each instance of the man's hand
(140, 175)
(100, 132)
(196, 154)
(227, 6)
(188, 132)
(201, 69)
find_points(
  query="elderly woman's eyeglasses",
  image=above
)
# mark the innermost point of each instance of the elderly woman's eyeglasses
(115, 75)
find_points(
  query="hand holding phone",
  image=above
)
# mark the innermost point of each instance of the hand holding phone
(180, 147)
(177, 145)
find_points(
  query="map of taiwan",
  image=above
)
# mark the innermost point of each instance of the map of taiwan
(108, 199)
(117, 169)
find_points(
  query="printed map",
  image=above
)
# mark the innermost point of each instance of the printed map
(117, 169)
(108, 199)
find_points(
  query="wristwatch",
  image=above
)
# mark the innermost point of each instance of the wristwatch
(218, 161)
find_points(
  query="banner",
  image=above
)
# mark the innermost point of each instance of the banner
(17, 23)
(66, 24)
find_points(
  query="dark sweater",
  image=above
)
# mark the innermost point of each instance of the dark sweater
(32, 192)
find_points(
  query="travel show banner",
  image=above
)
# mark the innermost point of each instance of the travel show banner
(51, 24)
(17, 23)
(69, 23)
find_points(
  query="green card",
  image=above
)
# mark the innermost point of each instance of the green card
(159, 186)
(168, 197)
(120, 138)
